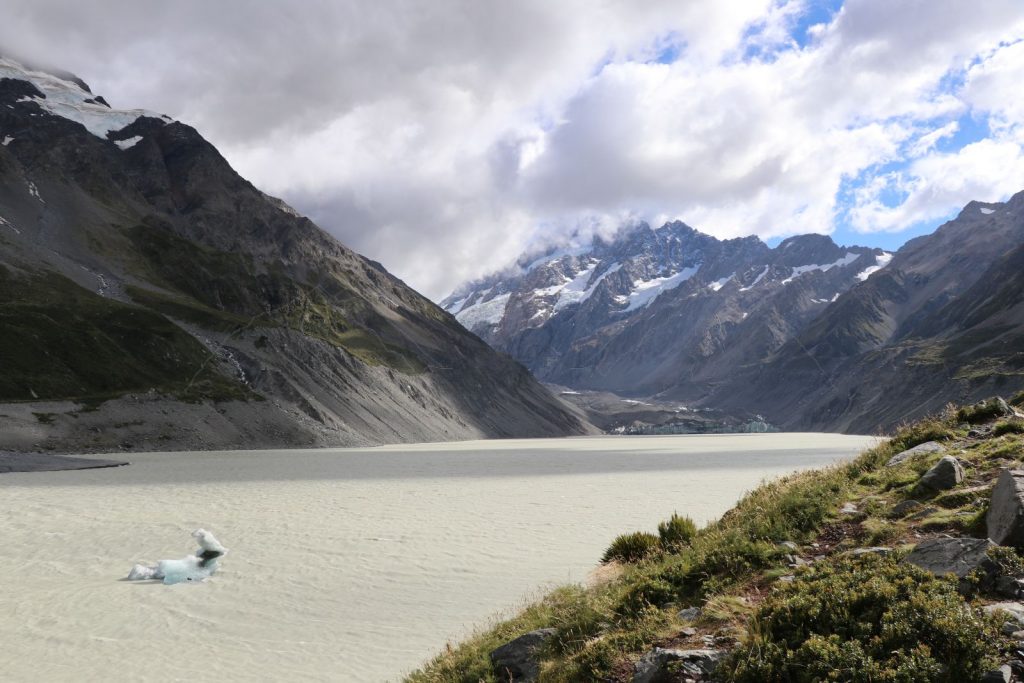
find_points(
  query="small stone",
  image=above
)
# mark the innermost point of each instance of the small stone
(788, 578)
(1000, 675)
(876, 550)
(848, 509)
(655, 665)
(945, 474)
(924, 512)
(789, 545)
(689, 632)
(689, 614)
(902, 508)
(1010, 587)
(1009, 628)
(516, 660)
(903, 456)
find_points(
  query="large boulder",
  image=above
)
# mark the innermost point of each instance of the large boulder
(958, 556)
(517, 659)
(903, 456)
(654, 667)
(945, 474)
(1005, 520)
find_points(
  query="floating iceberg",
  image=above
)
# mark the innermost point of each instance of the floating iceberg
(197, 567)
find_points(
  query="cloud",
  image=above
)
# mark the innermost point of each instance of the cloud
(444, 138)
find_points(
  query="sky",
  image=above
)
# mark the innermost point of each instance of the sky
(445, 138)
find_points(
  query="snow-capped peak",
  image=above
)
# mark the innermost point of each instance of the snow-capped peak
(68, 99)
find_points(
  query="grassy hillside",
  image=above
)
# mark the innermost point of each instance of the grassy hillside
(776, 585)
(62, 341)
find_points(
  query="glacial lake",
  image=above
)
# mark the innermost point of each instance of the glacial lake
(344, 564)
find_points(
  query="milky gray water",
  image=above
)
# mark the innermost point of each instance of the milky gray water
(344, 565)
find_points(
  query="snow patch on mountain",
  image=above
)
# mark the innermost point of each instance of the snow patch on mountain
(718, 284)
(7, 140)
(67, 99)
(756, 280)
(986, 211)
(846, 260)
(130, 142)
(486, 312)
(6, 223)
(646, 291)
(578, 290)
(881, 261)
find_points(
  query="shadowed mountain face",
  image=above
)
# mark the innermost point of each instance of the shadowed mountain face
(944, 321)
(809, 334)
(141, 277)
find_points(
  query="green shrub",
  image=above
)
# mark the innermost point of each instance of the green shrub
(632, 547)
(1008, 427)
(980, 412)
(865, 619)
(676, 531)
(928, 429)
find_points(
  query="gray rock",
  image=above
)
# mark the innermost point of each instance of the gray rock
(877, 550)
(689, 614)
(1005, 520)
(689, 631)
(1000, 675)
(789, 545)
(517, 660)
(958, 556)
(848, 509)
(901, 509)
(1012, 610)
(653, 667)
(945, 474)
(903, 456)
(1010, 587)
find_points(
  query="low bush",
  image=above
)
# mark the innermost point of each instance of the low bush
(1008, 427)
(1017, 400)
(865, 619)
(928, 429)
(676, 531)
(632, 547)
(981, 412)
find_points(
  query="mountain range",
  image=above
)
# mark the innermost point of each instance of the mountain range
(806, 335)
(150, 297)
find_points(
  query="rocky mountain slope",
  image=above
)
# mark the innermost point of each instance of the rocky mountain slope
(944, 321)
(152, 298)
(809, 335)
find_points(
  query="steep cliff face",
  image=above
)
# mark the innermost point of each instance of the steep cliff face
(137, 270)
(661, 309)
